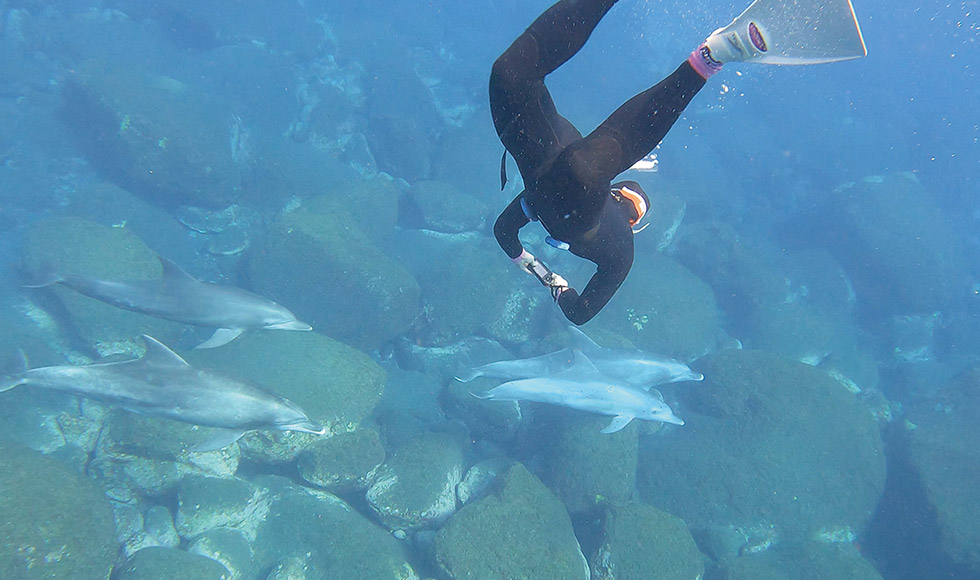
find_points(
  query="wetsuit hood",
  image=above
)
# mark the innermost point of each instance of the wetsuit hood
(632, 193)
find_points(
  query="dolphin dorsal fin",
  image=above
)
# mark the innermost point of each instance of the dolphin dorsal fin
(582, 342)
(174, 272)
(158, 353)
(582, 364)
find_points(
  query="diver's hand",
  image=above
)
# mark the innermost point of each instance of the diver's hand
(524, 261)
(557, 284)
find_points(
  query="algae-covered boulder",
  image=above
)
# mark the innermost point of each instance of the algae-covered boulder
(54, 522)
(584, 467)
(787, 445)
(323, 266)
(520, 530)
(942, 455)
(641, 542)
(449, 313)
(663, 308)
(148, 456)
(746, 272)
(158, 563)
(809, 561)
(324, 532)
(155, 135)
(799, 331)
(336, 385)
(416, 486)
(895, 242)
(445, 209)
(78, 246)
(205, 503)
(344, 463)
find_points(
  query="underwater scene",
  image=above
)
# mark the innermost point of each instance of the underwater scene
(384, 290)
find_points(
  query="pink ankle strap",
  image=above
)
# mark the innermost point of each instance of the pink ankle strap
(701, 61)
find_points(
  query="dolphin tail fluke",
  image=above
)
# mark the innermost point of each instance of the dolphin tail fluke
(465, 374)
(7, 383)
(221, 337)
(47, 275)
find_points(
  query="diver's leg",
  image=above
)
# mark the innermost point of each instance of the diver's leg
(523, 111)
(636, 127)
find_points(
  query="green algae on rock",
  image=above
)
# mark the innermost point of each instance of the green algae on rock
(55, 523)
(785, 443)
(158, 563)
(642, 542)
(323, 266)
(344, 463)
(520, 530)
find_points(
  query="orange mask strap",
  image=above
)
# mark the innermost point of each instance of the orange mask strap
(639, 204)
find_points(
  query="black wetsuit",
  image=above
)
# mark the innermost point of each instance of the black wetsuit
(567, 177)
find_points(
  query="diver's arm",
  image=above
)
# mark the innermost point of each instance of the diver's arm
(580, 308)
(505, 229)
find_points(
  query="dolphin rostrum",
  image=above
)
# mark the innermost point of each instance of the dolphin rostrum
(633, 367)
(583, 387)
(162, 384)
(180, 297)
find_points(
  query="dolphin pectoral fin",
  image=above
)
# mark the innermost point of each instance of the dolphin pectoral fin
(484, 395)
(221, 337)
(222, 438)
(617, 423)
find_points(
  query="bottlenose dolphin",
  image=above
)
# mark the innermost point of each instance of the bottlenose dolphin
(180, 297)
(162, 384)
(634, 367)
(522, 368)
(583, 387)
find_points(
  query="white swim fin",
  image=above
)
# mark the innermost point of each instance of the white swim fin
(790, 32)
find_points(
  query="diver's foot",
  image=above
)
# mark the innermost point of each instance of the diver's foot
(703, 61)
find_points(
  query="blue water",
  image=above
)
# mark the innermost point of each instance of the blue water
(839, 197)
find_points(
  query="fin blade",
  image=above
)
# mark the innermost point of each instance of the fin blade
(46, 276)
(174, 272)
(617, 423)
(581, 341)
(221, 337)
(159, 353)
(222, 438)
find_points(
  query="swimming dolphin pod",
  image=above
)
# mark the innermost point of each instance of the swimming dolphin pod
(633, 367)
(588, 377)
(180, 297)
(583, 387)
(162, 384)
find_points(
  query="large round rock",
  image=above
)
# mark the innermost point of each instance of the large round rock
(642, 542)
(786, 445)
(54, 522)
(319, 263)
(519, 531)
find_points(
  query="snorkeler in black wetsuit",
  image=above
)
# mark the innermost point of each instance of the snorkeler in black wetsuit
(568, 177)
